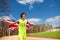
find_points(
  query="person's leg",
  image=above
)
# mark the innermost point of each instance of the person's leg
(20, 35)
(24, 36)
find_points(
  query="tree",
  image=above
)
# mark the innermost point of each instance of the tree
(4, 9)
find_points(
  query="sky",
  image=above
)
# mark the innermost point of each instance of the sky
(37, 11)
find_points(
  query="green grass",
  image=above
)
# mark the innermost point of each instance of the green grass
(55, 34)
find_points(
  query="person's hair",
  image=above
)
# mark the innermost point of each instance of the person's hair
(23, 13)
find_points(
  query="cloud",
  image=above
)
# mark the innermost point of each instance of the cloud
(53, 19)
(5, 18)
(30, 2)
(57, 18)
(12, 17)
(30, 7)
(34, 20)
(50, 20)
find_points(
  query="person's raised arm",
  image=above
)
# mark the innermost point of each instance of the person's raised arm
(9, 22)
(30, 23)
(17, 21)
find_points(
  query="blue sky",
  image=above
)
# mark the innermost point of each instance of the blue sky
(45, 11)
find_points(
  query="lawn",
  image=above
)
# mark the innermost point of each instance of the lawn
(55, 34)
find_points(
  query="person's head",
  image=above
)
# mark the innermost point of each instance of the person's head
(23, 15)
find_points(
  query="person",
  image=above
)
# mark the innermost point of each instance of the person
(22, 26)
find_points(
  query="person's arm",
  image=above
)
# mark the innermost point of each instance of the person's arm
(17, 21)
(8, 22)
(30, 23)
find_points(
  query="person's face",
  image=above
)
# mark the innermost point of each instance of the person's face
(23, 16)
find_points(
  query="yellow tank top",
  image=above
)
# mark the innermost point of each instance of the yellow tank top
(22, 24)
